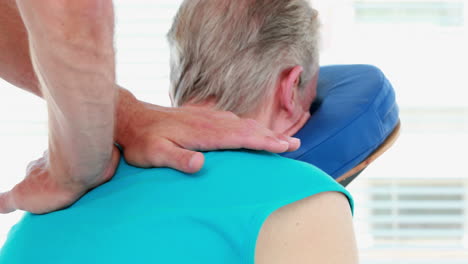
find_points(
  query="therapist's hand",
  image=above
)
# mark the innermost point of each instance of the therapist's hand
(155, 136)
(44, 190)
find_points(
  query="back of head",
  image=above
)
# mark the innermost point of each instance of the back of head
(234, 51)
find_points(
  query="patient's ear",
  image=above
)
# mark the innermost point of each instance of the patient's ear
(288, 87)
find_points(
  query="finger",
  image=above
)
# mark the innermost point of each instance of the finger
(269, 141)
(266, 143)
(255, 136)
(294, 143)
(168, 154)
(41, 195)
(7, 204)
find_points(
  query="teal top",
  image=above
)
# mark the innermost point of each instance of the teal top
(161, 215)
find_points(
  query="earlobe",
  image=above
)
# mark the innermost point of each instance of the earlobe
(289, 85)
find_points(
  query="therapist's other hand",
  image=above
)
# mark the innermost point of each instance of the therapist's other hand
(155, 136)
(44, 190)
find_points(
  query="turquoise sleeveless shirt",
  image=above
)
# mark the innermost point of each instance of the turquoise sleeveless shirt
(161, 215)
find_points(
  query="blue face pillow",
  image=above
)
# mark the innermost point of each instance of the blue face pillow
(354, 112)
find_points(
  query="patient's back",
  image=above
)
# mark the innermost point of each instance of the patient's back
(164, 216)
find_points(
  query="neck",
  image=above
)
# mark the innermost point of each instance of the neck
(282, 122)
(296, 126)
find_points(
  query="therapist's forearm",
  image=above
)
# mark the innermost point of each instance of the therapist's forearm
(15, 61)
(71, 48)
(16, 66)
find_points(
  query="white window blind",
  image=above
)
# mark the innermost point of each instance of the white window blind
(441, 13)
(412, 220)
(412, 203)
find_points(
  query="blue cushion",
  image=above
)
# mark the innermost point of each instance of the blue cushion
(353, 114)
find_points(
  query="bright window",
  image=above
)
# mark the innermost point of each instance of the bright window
(440, 13)
(412, 203)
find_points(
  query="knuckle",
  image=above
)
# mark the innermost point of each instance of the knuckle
(281, 136)
(36, 166)
(157, 160)
(156, 152)
(30, 167)
(155, 145)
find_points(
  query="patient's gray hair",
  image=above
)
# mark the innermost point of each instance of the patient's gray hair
(234, 51)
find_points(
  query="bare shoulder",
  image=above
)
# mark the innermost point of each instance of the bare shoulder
(317, 229)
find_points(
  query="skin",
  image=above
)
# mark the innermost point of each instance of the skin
(288, 110)
(62, 51)
(317, 229)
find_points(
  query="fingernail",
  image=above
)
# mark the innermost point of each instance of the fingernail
(195, 161)
(282, 142)
(294, 140)
(192, 161)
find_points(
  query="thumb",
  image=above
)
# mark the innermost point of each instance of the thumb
(168, 154)
(7, 204)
